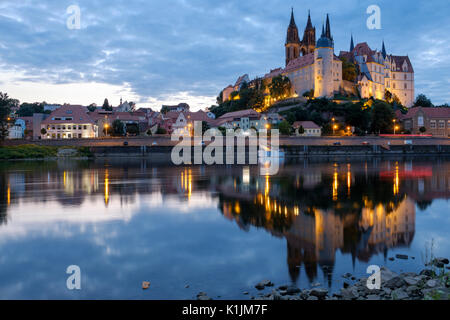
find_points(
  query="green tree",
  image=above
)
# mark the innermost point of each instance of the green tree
(301, 130)
(132, 129)
(92, 107)
(349, 70)
(161, 130)
(106, 105)
(164, 109)
(28, 109)
(43, 131)
(280, 87)
(357, 116)
(382, 116)
(309, 94)
(284, 127)
(118, 128)
(6, 104)
(422, 129)
(423, 101)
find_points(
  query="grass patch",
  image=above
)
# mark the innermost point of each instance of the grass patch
(37, 152)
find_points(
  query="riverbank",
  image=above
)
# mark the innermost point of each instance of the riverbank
(432, 283)
(37, 152)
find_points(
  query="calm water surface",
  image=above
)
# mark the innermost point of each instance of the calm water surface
(217, 229)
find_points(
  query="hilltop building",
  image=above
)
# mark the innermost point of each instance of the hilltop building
(312, 66)
(379, 72)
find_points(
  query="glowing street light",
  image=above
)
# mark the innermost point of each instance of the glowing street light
(106, 126)
(395, 128)
(335, 127)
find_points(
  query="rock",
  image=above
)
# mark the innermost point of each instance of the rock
(410, 281)
(395, 282)
(283, 287)
(399, 294)
(373, 297)
(265, 283)
(387, 291)
(442, 260)
(401, 256)
(317, 284)
(391, 259)
(413, 291)
(428, 273)
(346, 285)
(353, 278)
(203, 296)
(291, 290)
(386, 274)
(347, 275)
(283, 292)
(312, 298)
(245, 292)
(431, 283)
(319, 292)
(186, 286)
(349, 294)
(145, 285)
(304, 294)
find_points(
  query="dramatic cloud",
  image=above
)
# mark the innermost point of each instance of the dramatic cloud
(155, 52)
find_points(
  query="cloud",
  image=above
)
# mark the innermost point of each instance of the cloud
(178, 49)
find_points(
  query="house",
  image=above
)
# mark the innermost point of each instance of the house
(310, 129)
(17, 130)
(181, 107)
(436, 121)
(184, 121)
(68, 122)
(243, 119)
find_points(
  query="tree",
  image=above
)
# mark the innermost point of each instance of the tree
(28, 109)
(106, 105)
(349, 71)
(382, 116)
(132, 129)
(284, 127)
(422, 129)
(164, 109)
(423, 101)
(6, 104)
(43, 131)
(301, 130)
(357, 116)
(92, 107)
(118, 128)
(309, 94)
(161, 130)
(280, 87)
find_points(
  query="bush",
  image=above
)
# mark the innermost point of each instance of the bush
(161, 131)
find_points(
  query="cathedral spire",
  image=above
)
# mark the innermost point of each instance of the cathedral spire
(292, 23)
(328, 29)
(383, 51)
(352, 45)
(309, 24)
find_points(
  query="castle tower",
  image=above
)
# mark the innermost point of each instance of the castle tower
(292, 41)
(352, 45)
(383, 51)
(309, 37)
(323, 64)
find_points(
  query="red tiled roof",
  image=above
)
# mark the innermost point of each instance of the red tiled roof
(399, 60)
(240, 114)
(273, 73)
(300, 62)
(79, 115)
(429, 112)
(305, 125)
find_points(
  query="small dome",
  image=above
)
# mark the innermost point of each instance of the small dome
(324, 42)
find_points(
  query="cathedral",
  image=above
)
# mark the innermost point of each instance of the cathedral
(312, 66)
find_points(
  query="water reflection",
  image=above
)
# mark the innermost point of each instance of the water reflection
(319, 207)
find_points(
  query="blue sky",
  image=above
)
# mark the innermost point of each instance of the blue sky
(170, 51)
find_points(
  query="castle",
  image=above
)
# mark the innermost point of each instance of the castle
(313, 66)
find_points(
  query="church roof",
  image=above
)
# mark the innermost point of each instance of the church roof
(292, 32)
(400, 60)
(300, 62)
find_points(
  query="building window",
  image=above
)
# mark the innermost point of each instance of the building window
(441, 124)
(84, 127)
(420, 121)
(406, 86)
(433, 124)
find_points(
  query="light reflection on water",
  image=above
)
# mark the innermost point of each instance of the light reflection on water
(126, 222)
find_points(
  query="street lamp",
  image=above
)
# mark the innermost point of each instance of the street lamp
(395, 128)
(106, 129)
(334, 128)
